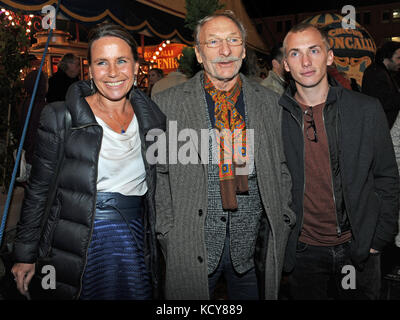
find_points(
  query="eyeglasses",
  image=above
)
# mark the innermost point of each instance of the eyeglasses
(309, 118)
(215, 43)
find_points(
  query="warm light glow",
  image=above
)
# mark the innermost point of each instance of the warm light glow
(12, 23)
(28, 30)
(157, 53)
(7, 13)
(31, 15)
(396, 14)
(164, 45)
(154, 57)
(29, 23)
(160, 49)
(10, 18)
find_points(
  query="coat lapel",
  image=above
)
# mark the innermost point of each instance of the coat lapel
(195, 111)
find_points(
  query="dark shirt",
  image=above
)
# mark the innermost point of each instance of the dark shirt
(58, 86)
(320, 221)
(377, 82)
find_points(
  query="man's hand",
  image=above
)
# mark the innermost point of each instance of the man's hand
(373, 251)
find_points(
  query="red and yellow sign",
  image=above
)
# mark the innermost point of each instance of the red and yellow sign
(166, 59)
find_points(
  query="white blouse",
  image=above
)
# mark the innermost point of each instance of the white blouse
(121, 168)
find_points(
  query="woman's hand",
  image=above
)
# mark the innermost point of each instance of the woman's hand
(23, 273)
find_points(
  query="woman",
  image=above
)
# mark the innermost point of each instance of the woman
(99, 235)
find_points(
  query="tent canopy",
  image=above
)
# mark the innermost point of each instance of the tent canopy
(164, 19)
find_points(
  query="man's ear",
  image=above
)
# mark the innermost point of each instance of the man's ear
(198, 54)
(286, 65)
(331, 58)
(275, 64)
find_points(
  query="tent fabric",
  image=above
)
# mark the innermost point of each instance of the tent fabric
(161, 18)
(137, 17)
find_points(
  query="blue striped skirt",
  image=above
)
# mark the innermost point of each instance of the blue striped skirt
(115, 268)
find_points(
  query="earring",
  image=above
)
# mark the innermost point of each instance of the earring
(135, 81)
(91, 85)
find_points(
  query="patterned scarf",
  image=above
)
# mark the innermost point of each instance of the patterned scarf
(232, 128)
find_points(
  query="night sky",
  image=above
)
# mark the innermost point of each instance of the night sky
(265, 8)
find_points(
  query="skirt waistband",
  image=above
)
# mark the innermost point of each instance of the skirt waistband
(115, 206)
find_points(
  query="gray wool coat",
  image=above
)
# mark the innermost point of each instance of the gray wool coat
(181, 192)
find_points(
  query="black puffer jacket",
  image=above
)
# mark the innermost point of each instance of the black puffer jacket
(68, 230)
(364, 170)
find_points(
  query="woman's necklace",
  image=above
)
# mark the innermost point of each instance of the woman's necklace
(119, 123)
(122, 126)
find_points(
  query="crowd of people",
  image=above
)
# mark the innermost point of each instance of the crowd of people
(298, 178)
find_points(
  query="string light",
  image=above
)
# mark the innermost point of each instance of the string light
(159, 50)
(16, 20)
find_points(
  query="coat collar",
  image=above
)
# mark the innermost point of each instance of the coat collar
(147, 112)
(288, 101)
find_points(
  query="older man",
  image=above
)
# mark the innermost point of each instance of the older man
(213, 218)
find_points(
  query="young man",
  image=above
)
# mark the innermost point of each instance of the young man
(213, 221)
(345, 180)
(379, 83)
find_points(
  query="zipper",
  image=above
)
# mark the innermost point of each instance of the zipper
(338, 229)
(94, 214)
(301, 125)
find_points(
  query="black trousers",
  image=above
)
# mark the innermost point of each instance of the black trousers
(325, 273)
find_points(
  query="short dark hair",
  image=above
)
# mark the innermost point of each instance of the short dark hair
(66, 59)
(159, 71)
(111, 30)
(304, 26)
(386, 51)
(276, 52)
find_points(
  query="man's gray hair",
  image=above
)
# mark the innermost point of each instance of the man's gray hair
(227, 14)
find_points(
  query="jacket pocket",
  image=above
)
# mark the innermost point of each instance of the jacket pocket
(49, 228)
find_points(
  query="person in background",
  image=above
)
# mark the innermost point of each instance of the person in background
(172, 79)
(38, 105)
(227, 218)
(393, 257)
(68, 72)
(99, 234)
(345, 178)
(276, 77)
(379, 83)
(155, 75)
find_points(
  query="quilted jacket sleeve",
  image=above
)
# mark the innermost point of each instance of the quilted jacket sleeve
(43, 169)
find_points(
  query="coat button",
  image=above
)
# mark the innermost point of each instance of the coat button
(223, 219)
(200, 212)
(200, 259)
